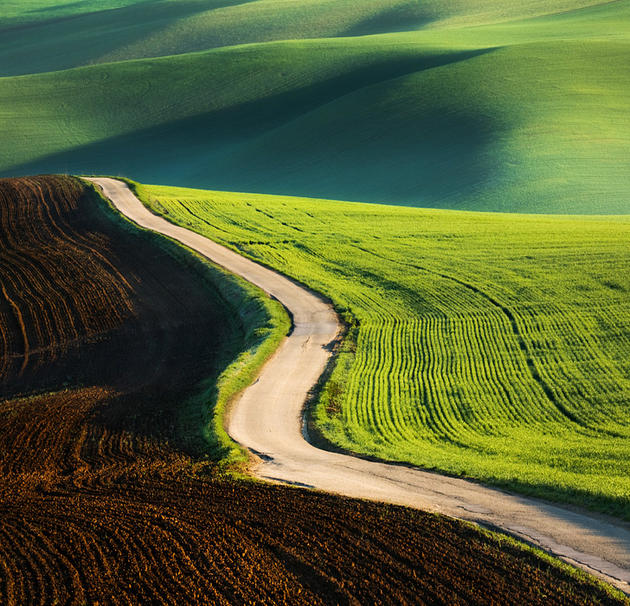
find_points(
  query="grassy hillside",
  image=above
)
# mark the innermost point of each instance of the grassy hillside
(484, 105)
(492, 346)
(42, 35)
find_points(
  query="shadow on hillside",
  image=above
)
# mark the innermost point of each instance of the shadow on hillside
(405, 18)
(227, 149)
(55, 43)
(161, 359)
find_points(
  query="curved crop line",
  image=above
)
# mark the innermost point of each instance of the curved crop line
(507, 312)
(549, 393)
(20, 321)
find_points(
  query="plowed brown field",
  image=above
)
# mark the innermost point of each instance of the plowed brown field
(105, 495)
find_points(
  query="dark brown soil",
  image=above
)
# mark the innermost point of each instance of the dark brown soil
(105, 494)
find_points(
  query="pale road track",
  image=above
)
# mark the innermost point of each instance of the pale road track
(268, 420)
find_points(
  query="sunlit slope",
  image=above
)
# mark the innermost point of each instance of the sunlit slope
(490, 345)
(416, 119)
(42, 35)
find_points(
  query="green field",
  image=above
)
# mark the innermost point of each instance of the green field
(488, 345)
(485, 105)
(46, 35)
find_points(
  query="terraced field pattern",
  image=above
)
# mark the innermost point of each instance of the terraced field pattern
(111, 344)
(491, 346)
(517, 105)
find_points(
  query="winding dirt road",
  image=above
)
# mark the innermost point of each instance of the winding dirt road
(267, 419)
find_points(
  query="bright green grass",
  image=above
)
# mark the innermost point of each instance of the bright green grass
(488, 345)
(530, 115)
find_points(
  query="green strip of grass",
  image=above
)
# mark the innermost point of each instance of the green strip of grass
(260, 324)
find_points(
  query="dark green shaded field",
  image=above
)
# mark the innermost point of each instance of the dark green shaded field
(486, 105)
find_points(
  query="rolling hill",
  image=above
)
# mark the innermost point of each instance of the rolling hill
(481, 106)
(493, 346)
(109, 494)
(41, 35)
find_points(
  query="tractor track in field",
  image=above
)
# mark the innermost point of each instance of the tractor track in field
(267, 419)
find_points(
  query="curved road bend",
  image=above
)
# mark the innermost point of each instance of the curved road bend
(267, 419)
